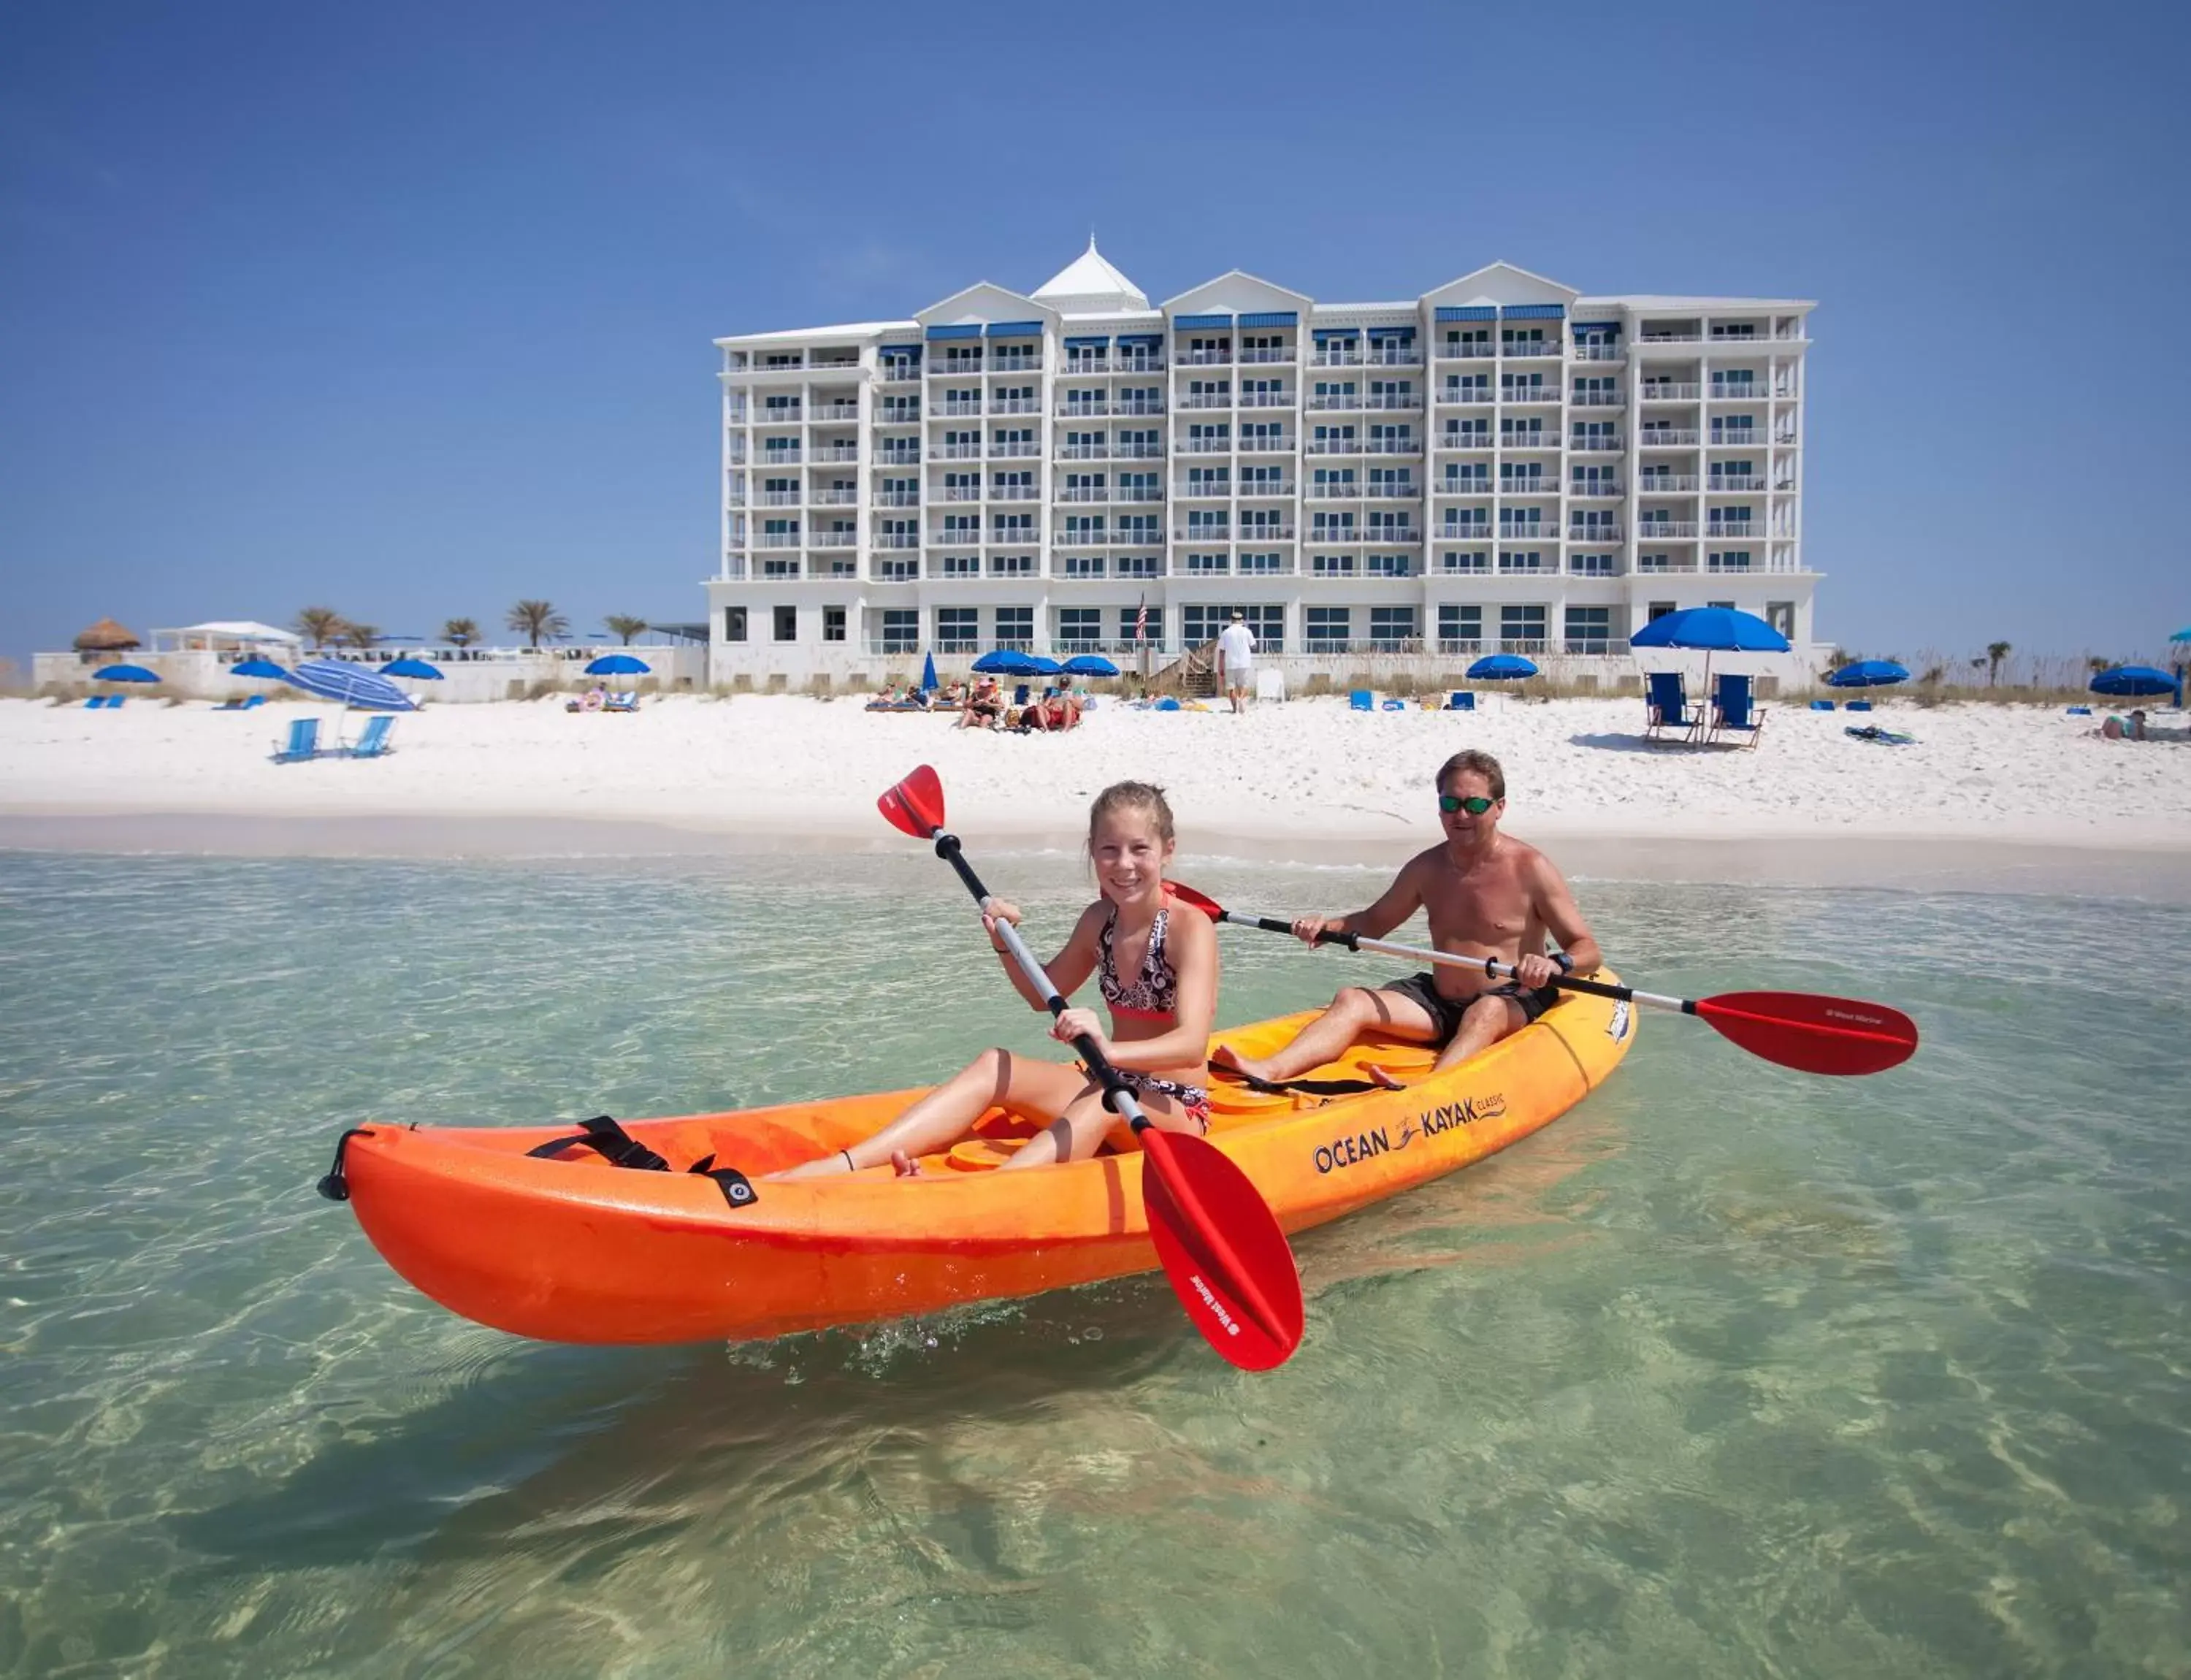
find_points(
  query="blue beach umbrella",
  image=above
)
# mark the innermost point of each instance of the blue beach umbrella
(256, 667)
(1089, 664)
(618, 664)
(126, 674)
(2134, 681)
(2184, 634)
(418, 668)
(1500, 667)
(1041, 664)
(1868, 674)
(928, 675)
(1004, 661)
(1711, 629)
(350, 686)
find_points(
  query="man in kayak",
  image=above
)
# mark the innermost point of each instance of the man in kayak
(1486, 895)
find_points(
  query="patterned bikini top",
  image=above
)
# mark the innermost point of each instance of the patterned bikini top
(1153, 992)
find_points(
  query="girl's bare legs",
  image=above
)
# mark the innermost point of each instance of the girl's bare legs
(995, 1079)
(1077, 1132)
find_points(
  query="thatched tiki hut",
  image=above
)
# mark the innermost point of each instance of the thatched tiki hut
(104, 638)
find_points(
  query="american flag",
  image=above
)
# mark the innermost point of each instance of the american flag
(1141, 620)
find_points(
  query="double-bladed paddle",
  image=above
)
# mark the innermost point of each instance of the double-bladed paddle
(1802, 1030)
(1221, 1247)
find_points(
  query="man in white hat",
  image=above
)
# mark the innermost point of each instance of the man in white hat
(1236, 661)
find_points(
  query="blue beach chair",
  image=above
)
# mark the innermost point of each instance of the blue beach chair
(1362, 700)
(1462, 701)
(96, 704)
(1860, 705)
(1822, 705)
(373, 743)
(304, 742)
(1667, 704)
(1735, 710)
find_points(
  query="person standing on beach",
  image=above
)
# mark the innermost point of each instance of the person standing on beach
(1486, 895)
(1236, 661)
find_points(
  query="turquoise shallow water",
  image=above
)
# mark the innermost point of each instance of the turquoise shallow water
(1730, 1371)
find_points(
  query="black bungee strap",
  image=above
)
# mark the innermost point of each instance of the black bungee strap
(1306, 1087)
(619, 1148)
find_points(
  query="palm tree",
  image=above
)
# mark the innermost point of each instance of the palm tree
(625, 627)
(534, 619)
(360, 636)
(1995, 653)
(320, 625)
(460, 632)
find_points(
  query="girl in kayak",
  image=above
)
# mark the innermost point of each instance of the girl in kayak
(1155, 961)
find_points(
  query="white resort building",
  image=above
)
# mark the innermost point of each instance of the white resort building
(1502, 463)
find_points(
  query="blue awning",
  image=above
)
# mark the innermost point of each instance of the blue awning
(1015, 329)
(954, 332)
(1597, 327)
(913, 350)
(1392, 332)
(1323, 332)
(1279, 317)
(1088, 344)
(1140, 341)
(1533, 312)
(1468, 312)
(1179, 321)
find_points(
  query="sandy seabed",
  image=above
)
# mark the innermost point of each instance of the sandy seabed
(1993, 796)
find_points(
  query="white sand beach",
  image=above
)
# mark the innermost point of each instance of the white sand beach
(1307, 779)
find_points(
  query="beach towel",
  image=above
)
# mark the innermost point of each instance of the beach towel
(1872, 732)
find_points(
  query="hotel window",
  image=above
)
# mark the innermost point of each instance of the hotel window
(1467, 434)
(1660, 609)
(1011, 565)
(1590, 565)
(1208, 564)
(832, 623)
(1131, 443)
(1593, 481)
(1387, 566)
(1735, 329)
(1258, 522)
(1334, 393)
(781, 403)
(1335, 481)
(1524, 625)
(1389, 527)
(1264, 434)
(1334, 527)
(787, 623)
(1003, 483)
(1467, 387)
(958, 630)
(1520, 560)
(1263, 563)
(1460, 628)
(779, 568)
(1263, 481)
(1523, 522)
(1740, 383)
(1330, 628)
(787, 359)
(1522, 335)
(1391, 393)
(1523, 478)
(1211, 388)
(1152, 631)
(1011, 527)
(960, 566)
(1392, 480)
(1083, 529)
(1265, 392)
(900, 630)
(1735, 429)
(1467, 521)
(1516, 384)
(1467, 339)
(1208, 524)
(734, 624)
(1594, 522)
(1522, 434)
(1332, 566)
(1084, 566)
(1140, 400)
(1210, 433)
(1208, 480)
(1728, 560)
(1084, 402)
(1594, 434)
(962, 486)
(1015, 624)
(1392, 627)
(1140, 527)
(1781, 615)
(1080, 627)
(787, 447)
(1394, 439)
(1013, 442)
(1589, 629)
(1588, 390)
(1137, 486)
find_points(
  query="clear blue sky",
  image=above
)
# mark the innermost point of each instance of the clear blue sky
(406, 309)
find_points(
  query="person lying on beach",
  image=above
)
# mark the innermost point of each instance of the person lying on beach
(1056, 710)
(1155, 963)
(984, 705)
(1486, 895)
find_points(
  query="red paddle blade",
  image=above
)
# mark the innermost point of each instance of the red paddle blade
(1228, 1262)
(1816, 1034)
(915, 805)
(1201, 900)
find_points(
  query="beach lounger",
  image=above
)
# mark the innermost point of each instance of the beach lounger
(373, 743)
(304, 742)
(1362, 700)
(96, 704)
(1462, 701)
(1822, 705)
(626, 702)
(1735, 710)
(1667, 705)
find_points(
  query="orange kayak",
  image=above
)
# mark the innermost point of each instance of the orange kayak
(569, 1246)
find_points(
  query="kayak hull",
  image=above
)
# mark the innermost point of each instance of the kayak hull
(571, 1249)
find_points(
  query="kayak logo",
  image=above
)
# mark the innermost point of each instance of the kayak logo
(1211, 1301)
(1466, 1112)
(1617, 1029)
(1346, 1152)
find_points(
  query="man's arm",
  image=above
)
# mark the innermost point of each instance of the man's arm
(1402, 900)
(1555, 907)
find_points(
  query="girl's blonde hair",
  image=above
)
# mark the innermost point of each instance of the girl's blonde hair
(1145, 796)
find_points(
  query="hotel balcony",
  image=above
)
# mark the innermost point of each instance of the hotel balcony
(1593, 533)
(1083, 492)
(896, 499)
(1599, 488)
(954, 451)
(1203, 490)
(1667, 437)
(903, 455)
(1284, 354)
(1600, 353)
(1667, 484)
(1014, 492)
(1535, 484)
(1016, 361)
(1546, 394)
(1524, 349)
(1395, 445)
(1332, 493)
(1464, 397)
(1331, 446)
(1204, 533)
(896, 373)
(772, 458)
(1731, 482)
(1596, 443)
(1202, 358)
(1083, 452)
(780, 414)
(782, 498)
(833, 539)
(1665, 530)
(1138, 361)
(1085, 366)
(1016, 405)
(1393, 399)
(1265, 533)
(829, 414)
(1136, 494)
(1138, 405)
(1279, 444)
(1670, 390)
(896, 571)
(1007, 451)
(1267, 399)
(1266, 487)
(1388, 357)
(836, 451)
(1202, 445)
(1744, 394)
(1528, 440)
(1391, 492)
(1083, 409)
(1599, 399)
(957, 368)
(958, 407)
(898, 414)
(1138, 451)
(1656, 563)
(1741, 531)
(835, 497)
(1650, 337)
(1347, 398)
(776, 539)
(1204, 399)
(961, 493)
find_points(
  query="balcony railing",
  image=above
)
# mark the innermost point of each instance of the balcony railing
(1528, 440)
(1464, 440)
(1600, 353)
(836, 451)
(1394, 399)
(835, 411)
(954, 451)
(1529, 484)
(779, 414)
(1332, 445)
(1255, 444)
(1463, 395)
(898, 414)
(1667, 484)
(836, 498)
(1202, 445)
(781, 498)
(1139, 452)
(1390, 356)
(1333, 493)
(901, 456)
(1083, 452)
(1668, 437)
(1138, 361)
(1670, 390)
(1722, 393)
(1138, 405)
(1013, 450)
(1083, 408)
(1266, 487)
(896, 571)
(1655, 563)
(1202, 358)
(1014, 362)
(1137, 493)
(1656, 530)
(1390, 492)
(1266, 399)
(1462, 487)
(896, 499)
(1669, 338)
(1206, 398)
(1265, 533)
(1083, 492)
(1204, 489)
(896, 373)
(1738, 532)
(1395, 445)
(1593, 488)
(1593, 533)
(777, 539)
(1596, 443)
(962, 492)
(832, 539)
(1599, 399)
(1340, 399)
(1524, 349)
(1079, 366)
(1284, 354)
(1528, 393)
(960, 406)
(1016, 405)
